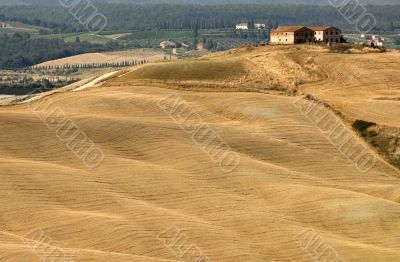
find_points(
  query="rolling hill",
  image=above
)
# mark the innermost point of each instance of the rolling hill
(157, 192)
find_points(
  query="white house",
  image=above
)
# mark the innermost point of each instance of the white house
(200, 45)
(378, 38)
(167, 44)
(260, 26)
(242, 26)
(245, 26)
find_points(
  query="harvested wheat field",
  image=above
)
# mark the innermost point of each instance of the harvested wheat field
(159, 191)
(108, 57)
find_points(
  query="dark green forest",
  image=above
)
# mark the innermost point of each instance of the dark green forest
(20, 50)
(122, 17)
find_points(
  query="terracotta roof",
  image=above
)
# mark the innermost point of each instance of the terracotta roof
(285, 29)
(321, 28)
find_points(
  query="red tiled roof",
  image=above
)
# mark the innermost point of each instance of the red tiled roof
(292, 29)
(284, 29)
(321, 28)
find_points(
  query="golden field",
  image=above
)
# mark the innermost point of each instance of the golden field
(108, 57)
(154, 176)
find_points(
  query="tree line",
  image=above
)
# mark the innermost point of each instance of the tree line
(89, 65)
(33, 86)
(125, 17)
(19, 50)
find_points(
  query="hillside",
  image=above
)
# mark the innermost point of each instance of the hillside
(276, 69)
(290, 177)
(361, 86)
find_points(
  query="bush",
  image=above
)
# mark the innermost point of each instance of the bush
(344, 48)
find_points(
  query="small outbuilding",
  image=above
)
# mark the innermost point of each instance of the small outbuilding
(167, 44)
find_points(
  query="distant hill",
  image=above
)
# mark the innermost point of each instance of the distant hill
(12, 2)
(311, 2)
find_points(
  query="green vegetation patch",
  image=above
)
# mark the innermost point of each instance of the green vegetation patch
(190, 70)
(385, 139)
(392, 41)
(91, 38)
(72, 37)
(20, 50)
(361, 125)
(161, 34)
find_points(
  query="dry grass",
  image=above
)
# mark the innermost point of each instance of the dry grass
(246, 69)
(108, 57)
(290, 178)
(189, 70)
(354, 49)
(117, 36)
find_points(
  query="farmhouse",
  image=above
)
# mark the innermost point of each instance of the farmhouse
(259, 26)
(327, 34)
(291, 35)
(242, 26)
